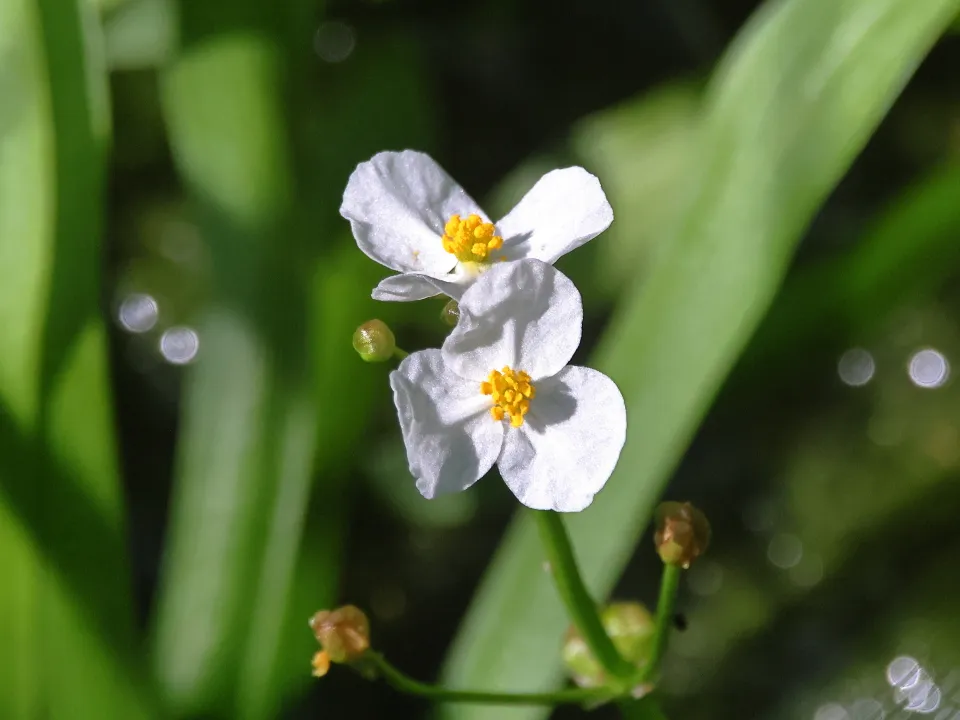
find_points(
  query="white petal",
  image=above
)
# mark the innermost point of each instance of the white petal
(524, 314)
(565, 209)
(450, 438)
(417, 286)
(569, 443)
(404, 288)
(397, 204)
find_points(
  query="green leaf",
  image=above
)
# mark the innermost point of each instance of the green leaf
(65, 612)
(909, 251)
(642, 150)
(795, 99)
(140, 34)
(249, 423)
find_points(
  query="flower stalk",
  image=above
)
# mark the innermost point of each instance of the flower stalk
(580, 605)
(399, 681)
(669, 583)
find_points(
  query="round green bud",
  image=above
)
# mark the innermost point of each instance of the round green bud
(374, 341)
(451, 313)
(630, 627)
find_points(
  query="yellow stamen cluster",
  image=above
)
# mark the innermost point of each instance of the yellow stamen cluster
(470, 239)
(512, 392)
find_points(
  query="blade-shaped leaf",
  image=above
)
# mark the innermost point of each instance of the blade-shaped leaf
(800, 92)
(248, 428)
(65, 612)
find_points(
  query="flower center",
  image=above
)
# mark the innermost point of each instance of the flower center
(470, 239)
(511, 391)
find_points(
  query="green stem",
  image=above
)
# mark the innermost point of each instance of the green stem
(401, 682)
(664, 622)
(580, 606)
(399, 354)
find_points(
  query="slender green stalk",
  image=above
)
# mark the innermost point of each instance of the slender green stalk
(664, 621)
(400, 354)
(398, 680)
(582, 608)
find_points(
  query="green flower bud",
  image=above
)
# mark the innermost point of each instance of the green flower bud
(682, 535)
(630, 627)
(451, 313)
(374, 341)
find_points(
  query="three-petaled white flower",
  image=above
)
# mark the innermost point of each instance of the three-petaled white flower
(408, 214)
(500, 391)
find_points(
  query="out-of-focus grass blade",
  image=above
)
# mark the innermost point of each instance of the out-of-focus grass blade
(643, 151)
(140, 34)
(385, 75)
(805, 84)
(65, 613)
(248, 424)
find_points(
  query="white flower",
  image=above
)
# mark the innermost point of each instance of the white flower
(500, 391)
(408, 214)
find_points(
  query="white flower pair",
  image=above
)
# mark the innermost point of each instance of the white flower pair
(499, 391)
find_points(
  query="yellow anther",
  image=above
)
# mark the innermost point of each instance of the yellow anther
(511, 392)
(320, 663)
(470, 239)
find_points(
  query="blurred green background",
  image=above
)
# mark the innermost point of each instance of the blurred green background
(193, 459)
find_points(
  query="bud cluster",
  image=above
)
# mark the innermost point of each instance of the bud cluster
(343, 634)
(630, 627)
(682, 534)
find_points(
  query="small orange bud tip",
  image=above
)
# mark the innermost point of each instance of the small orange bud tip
(682, 533)
(344, 633)
(320, 664)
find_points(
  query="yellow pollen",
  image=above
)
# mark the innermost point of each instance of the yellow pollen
(321, 663)
(511, 392)
(470, 239)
